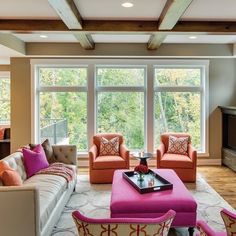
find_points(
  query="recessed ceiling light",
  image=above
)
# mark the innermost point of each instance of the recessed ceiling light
(43, 36)
(192, 37)
(127, 4)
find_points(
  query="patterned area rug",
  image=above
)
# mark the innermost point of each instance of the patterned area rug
(93, 201)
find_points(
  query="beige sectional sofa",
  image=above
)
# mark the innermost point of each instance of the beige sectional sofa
(34, 208)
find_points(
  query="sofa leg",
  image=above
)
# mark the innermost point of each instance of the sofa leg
(191, 231)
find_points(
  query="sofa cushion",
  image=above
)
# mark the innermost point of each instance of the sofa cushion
(109, 162)
(4, 166)
(15, 161)
(51, 187)
(47, 147)
(2, 131)
(34, 160)
(176, 161)
(11, 178)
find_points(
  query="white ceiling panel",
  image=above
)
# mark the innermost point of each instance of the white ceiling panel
(212, 39)
(50, 38)
(26, 9)
(112, 9)
(110, 38)
(221, 10)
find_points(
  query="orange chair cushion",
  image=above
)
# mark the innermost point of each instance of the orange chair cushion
(109, 162)
(176, 161)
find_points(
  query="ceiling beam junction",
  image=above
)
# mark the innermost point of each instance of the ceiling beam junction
(170, 15)
(70, 15)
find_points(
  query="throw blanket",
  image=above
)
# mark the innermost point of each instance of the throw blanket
(58, 169)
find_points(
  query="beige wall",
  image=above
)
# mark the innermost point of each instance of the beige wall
(222, 84)
(20, 102)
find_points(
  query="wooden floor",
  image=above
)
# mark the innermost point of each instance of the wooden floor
(221, 178)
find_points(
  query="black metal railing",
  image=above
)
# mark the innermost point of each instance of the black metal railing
(55, 130)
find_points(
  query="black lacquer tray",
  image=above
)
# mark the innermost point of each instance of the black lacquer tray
(152, 182)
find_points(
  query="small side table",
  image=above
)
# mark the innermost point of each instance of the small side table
(143, 157)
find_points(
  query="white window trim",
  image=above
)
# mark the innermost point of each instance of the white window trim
(202, 88)
(148, 90)
(123, 88)
(6, 75)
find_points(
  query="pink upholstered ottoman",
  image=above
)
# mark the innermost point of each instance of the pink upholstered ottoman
(126, 201)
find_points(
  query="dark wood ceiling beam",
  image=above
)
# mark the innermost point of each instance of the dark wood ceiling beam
(170, 15)
(92, 26)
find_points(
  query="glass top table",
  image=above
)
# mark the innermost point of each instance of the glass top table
(143, 157)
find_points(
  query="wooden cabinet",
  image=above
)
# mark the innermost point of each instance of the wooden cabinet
(229, 158)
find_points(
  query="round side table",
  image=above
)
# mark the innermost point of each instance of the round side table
(143, 157)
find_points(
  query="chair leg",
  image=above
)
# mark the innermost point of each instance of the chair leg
(191, 231)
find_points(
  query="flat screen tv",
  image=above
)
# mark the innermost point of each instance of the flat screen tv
(231, 130)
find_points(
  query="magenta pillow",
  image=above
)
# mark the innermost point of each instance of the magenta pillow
(34, 160)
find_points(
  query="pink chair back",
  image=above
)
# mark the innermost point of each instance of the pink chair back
(108, 136)
(165, 138)
(124, 226)
(229, 221)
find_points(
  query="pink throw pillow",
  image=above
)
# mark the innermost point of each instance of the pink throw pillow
(178, 145)
(34, 160)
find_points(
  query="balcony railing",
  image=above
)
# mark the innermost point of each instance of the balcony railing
(55, 130)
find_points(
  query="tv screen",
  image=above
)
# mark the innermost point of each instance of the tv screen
(232, 132)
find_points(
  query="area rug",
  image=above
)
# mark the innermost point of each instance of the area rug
(93, 201)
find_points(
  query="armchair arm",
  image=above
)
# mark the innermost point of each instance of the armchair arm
(93, 153)
(205, 229)
(19, 211)
(192, 153)
(124, 152)
(160, 153)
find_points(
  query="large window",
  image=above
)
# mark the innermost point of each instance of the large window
(120, 103)
(178, 102)
(140, 99)
(5, 98)
(63, 105)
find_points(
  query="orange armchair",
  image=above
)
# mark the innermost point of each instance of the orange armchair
(183, 165)
(101, 168)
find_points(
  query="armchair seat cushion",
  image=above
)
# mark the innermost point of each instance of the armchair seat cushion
(176, 160)
(109, 162)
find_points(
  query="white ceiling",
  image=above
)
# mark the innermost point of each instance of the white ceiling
(111, 10)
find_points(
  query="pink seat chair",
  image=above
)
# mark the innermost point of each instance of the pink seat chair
(183, 165)
(229, 221)
(101, 168)
(123, 226)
